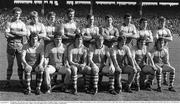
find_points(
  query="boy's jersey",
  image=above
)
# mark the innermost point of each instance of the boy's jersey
(147, 34)
(15, 26)
(120, 54)
(69, 28)
(139, 55)
(55, 54)
(33, 54)
(38, 28)
(90, 31)
(78, 54)
(111, 32)
(49, 30)
(163, 33)
(160, 56)
(128, 29)
(99, 55)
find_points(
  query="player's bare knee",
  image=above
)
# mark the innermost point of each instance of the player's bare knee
(118, 71)
(28, 70)
(68, 71)
(74, 70)
(95, 70)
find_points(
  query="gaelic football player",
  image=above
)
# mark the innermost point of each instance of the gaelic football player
(99, 61)
(33, 58)
(90, 31)
(144, 32)
(70, 27)
(160, 55)
(144, 64)
(163, 32)
(128, 30)
(109, 32)
(14, 33)
(77, 56)
(119, 53)
(50, 27)
(56, 54)
(36, 27)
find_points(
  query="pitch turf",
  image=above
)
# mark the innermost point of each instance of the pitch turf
(15, 92)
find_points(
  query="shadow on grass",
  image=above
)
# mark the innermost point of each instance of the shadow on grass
(15, 86)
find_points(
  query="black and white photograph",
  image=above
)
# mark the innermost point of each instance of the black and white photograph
(89, 51)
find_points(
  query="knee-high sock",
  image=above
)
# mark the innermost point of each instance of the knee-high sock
(39, 79)
(111, 82)
(28, 80)
(87, 80)
(165, 76)
(171, 79)
(95, 79)
(74, 81)
(158, 77)
(137, 78)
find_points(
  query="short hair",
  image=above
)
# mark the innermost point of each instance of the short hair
(108, 16)
(57, 35)
(127, 15)
(121, 38)
(15, 9)
(70, 10)
(33, 14)
(32, 35)
(142, 20)
(161, 18)
(157, 41)
(142, 38)
(89, 16)
(51, 14)
(77, 36)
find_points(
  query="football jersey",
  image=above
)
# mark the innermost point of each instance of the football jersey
(17, 26)
(69, 27)
(139, 55)
(160, 56)
(120, 54)
(147, 34)
(33, 53)
(55, 54)
(99, 54)
(78, 54)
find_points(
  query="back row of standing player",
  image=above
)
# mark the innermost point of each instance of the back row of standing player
(65, 52)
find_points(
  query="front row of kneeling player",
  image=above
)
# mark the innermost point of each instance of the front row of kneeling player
(94, 62)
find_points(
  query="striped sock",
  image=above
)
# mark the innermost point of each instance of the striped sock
(39, 79)
(95, 81)
(137, 79)
(158, 77)
(164, 76)
(87, 80)
(111, 82)
(150, 78)
(171, 78)
(28, 80)
(74, 81)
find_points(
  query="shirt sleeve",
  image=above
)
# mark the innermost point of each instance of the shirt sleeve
(134, 30)
(7, 28)
(43, 30)
(116, 32)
